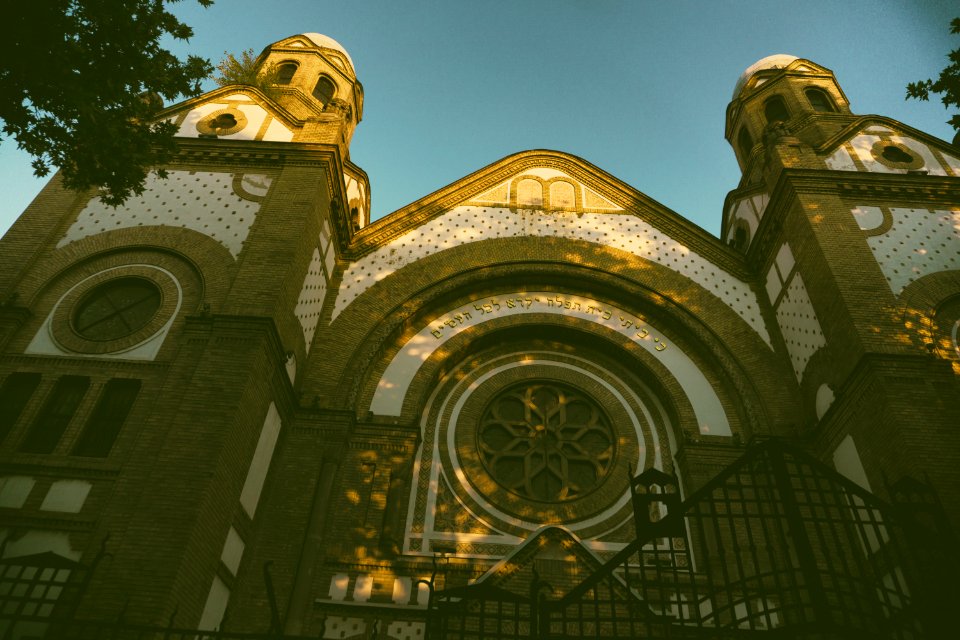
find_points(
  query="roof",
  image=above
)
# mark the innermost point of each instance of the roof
(326, 42)
(776, 61)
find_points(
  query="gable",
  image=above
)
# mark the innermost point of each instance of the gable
(233, 113)
(882, 145)
(545, 194)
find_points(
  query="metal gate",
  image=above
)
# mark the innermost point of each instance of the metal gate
(778, 545)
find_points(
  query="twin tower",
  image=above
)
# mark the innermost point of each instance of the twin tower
(273, 413)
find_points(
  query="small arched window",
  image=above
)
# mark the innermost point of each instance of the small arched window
(819, 100)
(740, 237)
(562, 195)
(285, 72)
(324, 90)
(745, 142)
(776, 110)
(529, 194)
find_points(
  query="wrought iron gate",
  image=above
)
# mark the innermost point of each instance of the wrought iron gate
(776, 546)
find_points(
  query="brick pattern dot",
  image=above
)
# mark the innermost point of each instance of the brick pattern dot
(345, 627)
(473, 224)
(799, 325)
(406, 630)
(919, 243)
(311, 297)
(203, 201)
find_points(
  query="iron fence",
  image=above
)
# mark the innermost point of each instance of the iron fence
(777, 545)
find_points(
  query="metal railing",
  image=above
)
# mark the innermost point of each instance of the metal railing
(777, 545)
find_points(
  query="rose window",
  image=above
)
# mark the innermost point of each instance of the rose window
(546, 441)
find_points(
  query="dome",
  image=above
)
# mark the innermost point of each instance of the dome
(776, 61)
(326, 42)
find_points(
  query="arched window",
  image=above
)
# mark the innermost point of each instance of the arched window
(745, 142)
(819, 100)
(285, 72)
(562, 195)
(529, 194)
(740, 237)
(775, 109)
(325, 89)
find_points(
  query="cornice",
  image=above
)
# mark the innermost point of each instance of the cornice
(81, 364)
(256, 152)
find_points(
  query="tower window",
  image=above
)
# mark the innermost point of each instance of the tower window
(15, 393)
(324, 90)
(819, 100)
(745, 142)
(775, 109)
(741, 237)
(58, 409)
(107, 418)
(285, 72)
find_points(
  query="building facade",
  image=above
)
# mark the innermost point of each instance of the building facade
(272, 413)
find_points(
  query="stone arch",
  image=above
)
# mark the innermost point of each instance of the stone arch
(416, 296)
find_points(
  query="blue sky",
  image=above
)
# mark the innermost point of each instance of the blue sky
(637, 88)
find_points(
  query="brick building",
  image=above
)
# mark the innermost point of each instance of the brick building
(271, 413)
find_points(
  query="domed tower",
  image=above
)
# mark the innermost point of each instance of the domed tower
(317, 83)
(849, 223)
(782, 95)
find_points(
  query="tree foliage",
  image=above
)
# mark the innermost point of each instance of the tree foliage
(947, 84)
(244, 70)
(81, 82)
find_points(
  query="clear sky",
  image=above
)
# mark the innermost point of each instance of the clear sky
(637, 88)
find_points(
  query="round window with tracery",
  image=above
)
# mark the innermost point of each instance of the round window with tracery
(117, 308)
(546, 441)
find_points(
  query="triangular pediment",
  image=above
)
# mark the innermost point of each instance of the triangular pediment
(246, 114)
(860, 145)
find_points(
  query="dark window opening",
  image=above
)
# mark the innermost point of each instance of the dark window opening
(820, 101)
(58, 409)
(325, 89)
(223, 122)
(740, 238)
(775, 109)
(107, 418)
(745, 142)
(896, 154)
(15, 393)
(285, 72)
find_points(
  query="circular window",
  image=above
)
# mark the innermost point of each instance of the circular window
(224, 122)
(116, 309)
(545, 441)
(896, 155)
